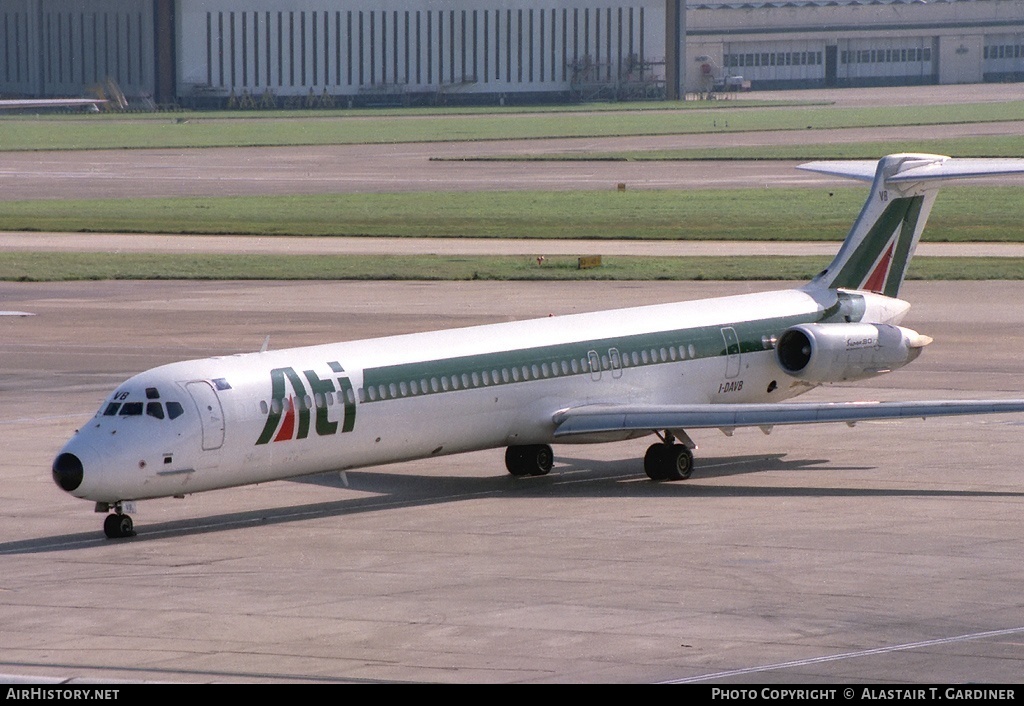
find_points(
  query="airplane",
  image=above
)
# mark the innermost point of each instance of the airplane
(663, 369)
(92, 104)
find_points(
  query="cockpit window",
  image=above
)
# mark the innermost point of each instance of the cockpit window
(137, 409)
(152, 393)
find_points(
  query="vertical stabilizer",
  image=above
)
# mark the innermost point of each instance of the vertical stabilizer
(881, 242)
(878, 249)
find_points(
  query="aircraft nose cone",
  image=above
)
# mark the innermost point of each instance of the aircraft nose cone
(67, 471)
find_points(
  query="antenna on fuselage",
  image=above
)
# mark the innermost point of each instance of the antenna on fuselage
(266, 344)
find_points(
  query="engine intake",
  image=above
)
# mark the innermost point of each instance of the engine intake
(820, 353)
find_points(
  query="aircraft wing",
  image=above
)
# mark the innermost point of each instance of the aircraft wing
(591, 419)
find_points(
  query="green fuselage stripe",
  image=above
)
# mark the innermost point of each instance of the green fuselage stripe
(569, 359)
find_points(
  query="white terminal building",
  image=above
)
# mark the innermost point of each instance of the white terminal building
(211, 53)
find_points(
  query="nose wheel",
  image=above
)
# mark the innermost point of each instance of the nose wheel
(118, 525)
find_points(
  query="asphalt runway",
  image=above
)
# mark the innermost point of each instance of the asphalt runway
(434, 166)
(885, 553)
(244, 171)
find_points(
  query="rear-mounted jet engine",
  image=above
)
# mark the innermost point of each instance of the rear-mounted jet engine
(820, 353)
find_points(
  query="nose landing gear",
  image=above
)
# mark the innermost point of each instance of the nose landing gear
(118, 524)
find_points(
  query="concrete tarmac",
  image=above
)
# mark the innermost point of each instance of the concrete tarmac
(885, 553)
(289, 245)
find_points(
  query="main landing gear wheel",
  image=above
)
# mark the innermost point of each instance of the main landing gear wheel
(117, 526)
(532, 460)
(668, 462)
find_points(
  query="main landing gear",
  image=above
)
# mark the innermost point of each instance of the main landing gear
(531, 460)
(118, 524)
(668, 460)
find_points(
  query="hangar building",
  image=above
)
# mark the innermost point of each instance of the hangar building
(216, 52)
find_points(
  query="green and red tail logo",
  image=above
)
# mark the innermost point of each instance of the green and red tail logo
(879, 261)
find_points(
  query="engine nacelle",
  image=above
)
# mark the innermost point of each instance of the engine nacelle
(820, 353)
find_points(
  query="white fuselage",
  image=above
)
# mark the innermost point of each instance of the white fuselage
(256, 417)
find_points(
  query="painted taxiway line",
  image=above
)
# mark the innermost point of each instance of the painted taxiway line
(845, 655)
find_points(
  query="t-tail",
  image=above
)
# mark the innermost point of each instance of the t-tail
(878, 249)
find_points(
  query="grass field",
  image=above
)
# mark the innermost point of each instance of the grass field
(357, 127)
(966, 213)
(962, 214)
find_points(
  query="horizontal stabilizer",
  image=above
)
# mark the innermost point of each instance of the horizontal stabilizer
(608, 418)
(919, 168)
(879, 246)
(860, 169)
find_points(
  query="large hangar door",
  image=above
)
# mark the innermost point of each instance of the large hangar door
(831, 59)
